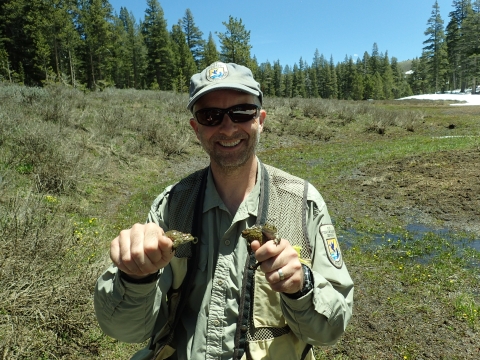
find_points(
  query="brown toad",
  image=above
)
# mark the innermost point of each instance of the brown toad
(178, 238)
(262, 234)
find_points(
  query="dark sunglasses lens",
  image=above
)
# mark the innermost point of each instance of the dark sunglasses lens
(243, 113)
(209, 117)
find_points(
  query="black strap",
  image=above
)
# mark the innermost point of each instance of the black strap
(305, 351)
(248, 274)
(192, 263)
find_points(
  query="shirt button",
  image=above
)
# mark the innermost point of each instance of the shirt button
(220, 282)
(227, 242)
(216, 323)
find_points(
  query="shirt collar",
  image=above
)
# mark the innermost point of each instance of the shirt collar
(250, 204)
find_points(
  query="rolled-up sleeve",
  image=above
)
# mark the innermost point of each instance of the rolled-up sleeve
(321, 316)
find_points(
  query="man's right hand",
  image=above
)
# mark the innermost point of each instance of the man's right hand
(141, 250)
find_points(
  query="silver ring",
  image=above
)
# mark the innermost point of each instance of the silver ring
(280, 273)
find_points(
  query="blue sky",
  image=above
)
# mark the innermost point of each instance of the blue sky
(286, 30)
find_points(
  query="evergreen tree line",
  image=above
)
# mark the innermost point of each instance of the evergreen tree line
(84, 44)
(450, 57)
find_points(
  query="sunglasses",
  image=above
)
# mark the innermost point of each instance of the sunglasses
(238, 114)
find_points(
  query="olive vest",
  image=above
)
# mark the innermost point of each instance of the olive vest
(262, 331)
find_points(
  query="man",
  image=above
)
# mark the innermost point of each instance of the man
(208, 300)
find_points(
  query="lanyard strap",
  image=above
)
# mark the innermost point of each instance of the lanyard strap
(248, 274)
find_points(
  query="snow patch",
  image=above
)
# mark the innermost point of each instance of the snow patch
(468, 99)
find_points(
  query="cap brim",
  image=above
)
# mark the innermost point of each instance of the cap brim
(220, 86)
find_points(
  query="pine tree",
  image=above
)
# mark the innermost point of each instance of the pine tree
(312, 86)
(129, 50)
(5, 71)
(22, 25)
(96, 30)
(235, 42)
(264, 76)
(277, 79)
(374, 60)
(184, 63)
(160, 57)
(295, 81)
(452, 39)
(301, 78)
(400, 85)
(122, 71)
(137, 51)
(419, 79)
(435, 49)
(193, 37)
(387, 78)
(288, 82)
(323, 71)
(357, 86)
(456, 45)
(332, 85)
(378, 89)
(210, 53)
(471, 41)
(317, 64)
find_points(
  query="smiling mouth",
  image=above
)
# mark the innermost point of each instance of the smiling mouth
(229, 143)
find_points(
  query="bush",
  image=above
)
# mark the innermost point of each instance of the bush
(44, 313)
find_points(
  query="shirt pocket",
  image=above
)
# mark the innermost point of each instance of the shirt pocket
(267, 311)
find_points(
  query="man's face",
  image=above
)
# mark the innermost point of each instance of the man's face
(229, 145)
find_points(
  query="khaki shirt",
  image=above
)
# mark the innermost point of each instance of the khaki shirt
(128, 311)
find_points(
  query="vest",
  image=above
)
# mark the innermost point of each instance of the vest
(262, 331)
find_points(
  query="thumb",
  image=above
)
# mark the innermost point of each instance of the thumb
(255, 245)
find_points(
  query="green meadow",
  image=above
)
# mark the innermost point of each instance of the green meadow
(401, 181)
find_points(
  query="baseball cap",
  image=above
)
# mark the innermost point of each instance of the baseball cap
(219, 76)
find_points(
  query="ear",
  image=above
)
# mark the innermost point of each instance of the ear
(261, 119)
(194, 125)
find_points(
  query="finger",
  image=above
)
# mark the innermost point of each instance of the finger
(115, 251)
(288, 270)
(292, 279)
(127, 238)
(158, 250)
(150, 248)
(269, 249)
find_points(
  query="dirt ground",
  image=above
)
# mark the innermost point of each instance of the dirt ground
(441, 189)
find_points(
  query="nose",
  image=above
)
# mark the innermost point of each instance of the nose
(227, 126)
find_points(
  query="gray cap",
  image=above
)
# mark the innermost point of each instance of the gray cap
(219, 76)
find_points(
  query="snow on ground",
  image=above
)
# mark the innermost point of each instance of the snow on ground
(468, 99)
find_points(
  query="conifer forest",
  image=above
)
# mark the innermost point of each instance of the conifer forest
(84, 44)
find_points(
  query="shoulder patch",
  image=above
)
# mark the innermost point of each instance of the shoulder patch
(332, 248)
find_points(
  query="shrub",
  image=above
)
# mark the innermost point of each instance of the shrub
(45, 312)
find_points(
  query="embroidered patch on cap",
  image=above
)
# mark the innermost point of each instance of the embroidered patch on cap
(331, 245)
(217, 71)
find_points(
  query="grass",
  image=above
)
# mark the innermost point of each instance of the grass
(76, 167)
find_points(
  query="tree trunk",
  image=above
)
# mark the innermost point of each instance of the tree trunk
(56, 58)
(72, 73)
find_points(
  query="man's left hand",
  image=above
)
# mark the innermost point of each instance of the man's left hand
(281, 257)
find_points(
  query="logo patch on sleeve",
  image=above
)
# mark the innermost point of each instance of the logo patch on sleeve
(332, 247)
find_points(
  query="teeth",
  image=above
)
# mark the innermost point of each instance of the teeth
(230, 144)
